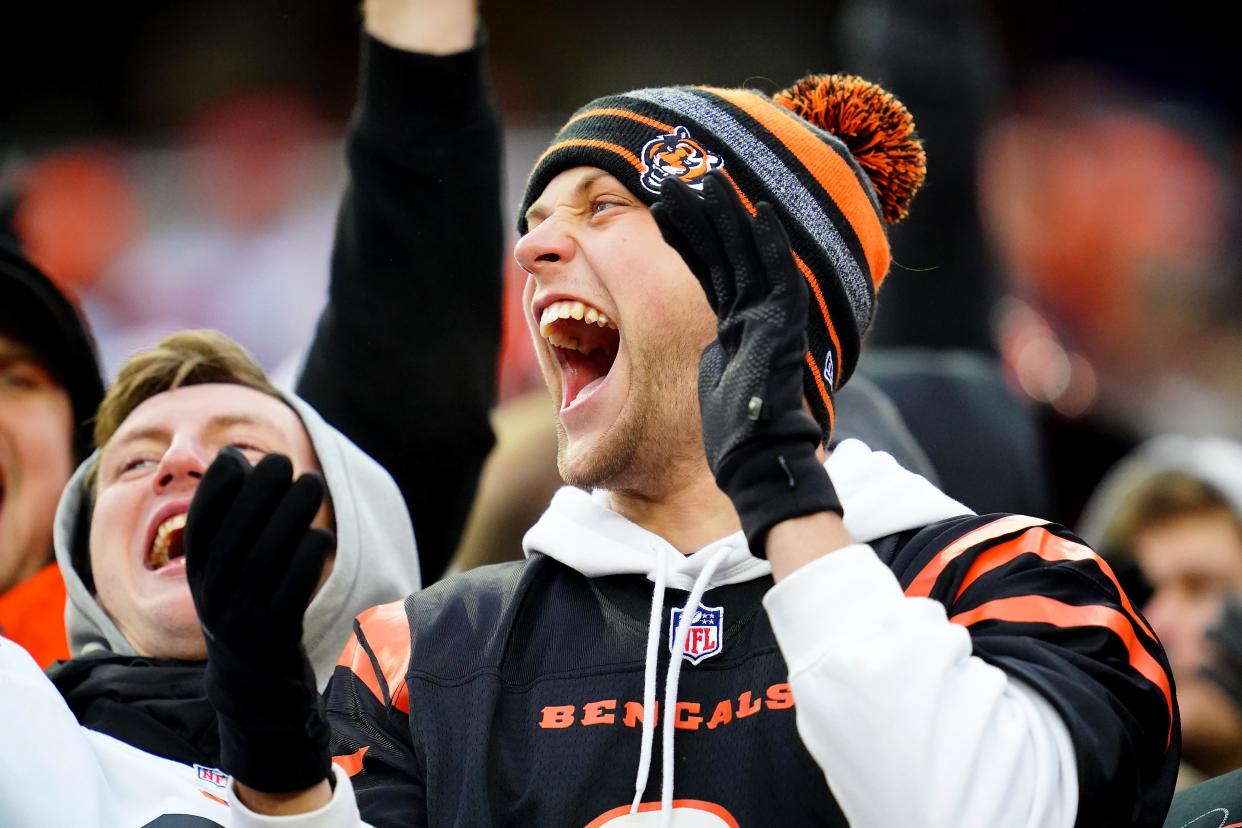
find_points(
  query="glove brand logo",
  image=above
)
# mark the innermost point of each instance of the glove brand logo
(676, 155)
(830, 370)
(704, 635)
(215, 776)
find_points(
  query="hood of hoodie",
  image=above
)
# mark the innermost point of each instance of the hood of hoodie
(1212, 460)
(879, 497)
(376, 559)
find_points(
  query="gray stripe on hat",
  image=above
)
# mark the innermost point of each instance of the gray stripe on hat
(797, 200)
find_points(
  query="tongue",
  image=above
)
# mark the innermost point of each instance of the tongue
(587, 390)
(579, 375)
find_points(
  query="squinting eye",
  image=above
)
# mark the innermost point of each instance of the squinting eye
(135, 463)
(16, 380)
(600, 206)
(247, 448)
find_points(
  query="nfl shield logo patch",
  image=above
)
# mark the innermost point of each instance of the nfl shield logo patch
(704, 636)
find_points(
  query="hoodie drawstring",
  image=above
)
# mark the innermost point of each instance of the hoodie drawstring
(674, 673)
(670, 685)
(649, 677)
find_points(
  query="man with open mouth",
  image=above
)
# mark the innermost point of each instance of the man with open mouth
(716, 624)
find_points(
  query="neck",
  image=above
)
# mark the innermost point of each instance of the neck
(689, 510)
(25, 568)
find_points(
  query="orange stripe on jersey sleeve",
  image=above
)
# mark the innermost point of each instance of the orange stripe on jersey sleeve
(827, 167)
(1040, 609)
(1050, 547)
(387, 632)
(922, 584)
(356, 660)
(351, 763)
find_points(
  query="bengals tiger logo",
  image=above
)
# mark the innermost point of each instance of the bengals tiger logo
(676, 155)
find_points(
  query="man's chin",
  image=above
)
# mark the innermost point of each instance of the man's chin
(171, 628)
(583, 461)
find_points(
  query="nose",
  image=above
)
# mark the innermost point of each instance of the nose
(549, 243)
(181, 467)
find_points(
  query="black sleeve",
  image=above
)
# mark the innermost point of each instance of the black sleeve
(404, 358)
(1043, 607)
(369, 713)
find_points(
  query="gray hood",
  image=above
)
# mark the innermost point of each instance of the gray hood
(1213, 460)
(376, 560)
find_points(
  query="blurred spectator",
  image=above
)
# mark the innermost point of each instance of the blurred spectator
(242, 241)
(79, 211)
(1174, 508)
(1115, 212)
(49, 389)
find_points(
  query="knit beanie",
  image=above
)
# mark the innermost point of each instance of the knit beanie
(34, 312)
(836, 156)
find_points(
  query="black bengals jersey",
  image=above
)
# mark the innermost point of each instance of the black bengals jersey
(512, 695)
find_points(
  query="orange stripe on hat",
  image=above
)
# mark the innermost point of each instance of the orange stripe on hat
(1040, 609)
(616, 112)
(804, 268)
(815, 291)
(1050, 547)
(827, 167)
(825, 397)
(824, 393)
(593, 144)
(922, 584)
(819, 300)
(387, 632)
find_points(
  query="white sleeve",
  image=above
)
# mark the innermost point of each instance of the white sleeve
(340, 812)
(903, 720)
(43, 752)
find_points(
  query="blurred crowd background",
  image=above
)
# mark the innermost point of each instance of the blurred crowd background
(177, 164)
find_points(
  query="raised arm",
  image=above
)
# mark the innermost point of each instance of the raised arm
(404, 359)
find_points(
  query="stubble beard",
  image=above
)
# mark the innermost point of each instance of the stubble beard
(657, 433)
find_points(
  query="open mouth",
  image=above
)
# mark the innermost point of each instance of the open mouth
(584, 342)
(168, 544)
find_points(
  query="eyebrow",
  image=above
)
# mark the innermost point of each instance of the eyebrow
(226, 420)
(12, 353)
(220, 421)
(150, 433)
(539, 211)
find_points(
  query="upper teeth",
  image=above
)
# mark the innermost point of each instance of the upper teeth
(570, 309)
(163, 539)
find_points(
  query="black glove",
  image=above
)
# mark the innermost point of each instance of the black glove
(759, 439)
(1226, 669)
(253, 563)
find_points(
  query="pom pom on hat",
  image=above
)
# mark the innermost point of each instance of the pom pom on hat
(875, 126)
